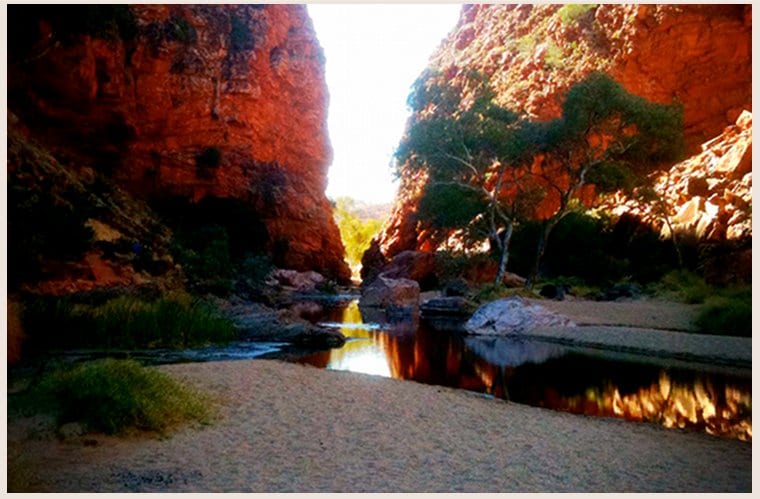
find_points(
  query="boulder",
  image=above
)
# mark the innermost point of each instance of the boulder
(554, 291)
(300, 281)
(621, 290)
(513, 316)
(457, 287)
(447, 313)
(415, 265)
(256, 322)
(513, 280)
(385, 292)
(448, 306)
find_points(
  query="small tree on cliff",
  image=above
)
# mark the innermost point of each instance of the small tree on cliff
(606, 137)
(470, 149)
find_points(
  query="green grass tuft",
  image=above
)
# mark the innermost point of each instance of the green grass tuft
(491, 292)
(729, 315)
(113, 396)
(684, 286)
(176, 320)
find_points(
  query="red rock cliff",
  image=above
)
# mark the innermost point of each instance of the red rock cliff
(203, 101)
(697, 55)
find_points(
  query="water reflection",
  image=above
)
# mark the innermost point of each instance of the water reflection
(545, 375)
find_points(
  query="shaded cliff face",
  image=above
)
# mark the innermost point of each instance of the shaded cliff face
(191, 102)
(695, 55)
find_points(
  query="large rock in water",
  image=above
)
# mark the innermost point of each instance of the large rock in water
(415, 265)
(513, 316)
(189, 102)
(385, 292)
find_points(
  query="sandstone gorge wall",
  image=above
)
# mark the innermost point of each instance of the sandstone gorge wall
(203, 101)
(696, 55)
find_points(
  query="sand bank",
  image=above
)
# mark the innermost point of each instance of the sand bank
(291, 428)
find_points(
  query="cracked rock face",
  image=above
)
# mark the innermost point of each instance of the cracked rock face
(204, 101)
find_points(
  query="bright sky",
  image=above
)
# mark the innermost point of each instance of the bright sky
(374, 53)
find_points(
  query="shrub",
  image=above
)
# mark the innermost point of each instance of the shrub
(204, 255)
(177, 320)
(115, 395)
(730, 316)
(685, 286)
(240, 35)
(173, 321)
(178, 29)
(570, 13)
(491, 292)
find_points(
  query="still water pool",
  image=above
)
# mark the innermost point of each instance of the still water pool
(582, 381)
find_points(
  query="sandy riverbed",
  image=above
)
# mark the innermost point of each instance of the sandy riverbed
(291, 428)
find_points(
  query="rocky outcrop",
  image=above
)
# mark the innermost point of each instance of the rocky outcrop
(69, 230)
(256, 322)
(708, 195)
(188, 102)
(696, 55)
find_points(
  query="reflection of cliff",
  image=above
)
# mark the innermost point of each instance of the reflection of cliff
(637, 393)
(546, 375)
(701, 405)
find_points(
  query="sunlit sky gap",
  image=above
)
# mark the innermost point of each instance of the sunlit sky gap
(374, 53)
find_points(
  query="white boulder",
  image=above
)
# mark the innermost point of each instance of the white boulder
(512, 316)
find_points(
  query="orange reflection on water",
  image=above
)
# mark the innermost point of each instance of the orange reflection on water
(719, 408)
(699, 405)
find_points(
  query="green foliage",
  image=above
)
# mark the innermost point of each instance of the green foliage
(241, 37)
(451, 265)
(644, 133)
(730, 314)
(472, 149)
(683, 285)
(526, 44)
(491, 292)
(355, 233)
(126, 322)
(113, 396)
(554, 57)
(204, 255)
(178, 29)
(256, 268)
(467, 147)
(593, 250)
(449, 206)
(570, 13)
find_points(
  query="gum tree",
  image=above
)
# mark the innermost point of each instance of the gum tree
(488, 167)
(608, 138)
(469, 149)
